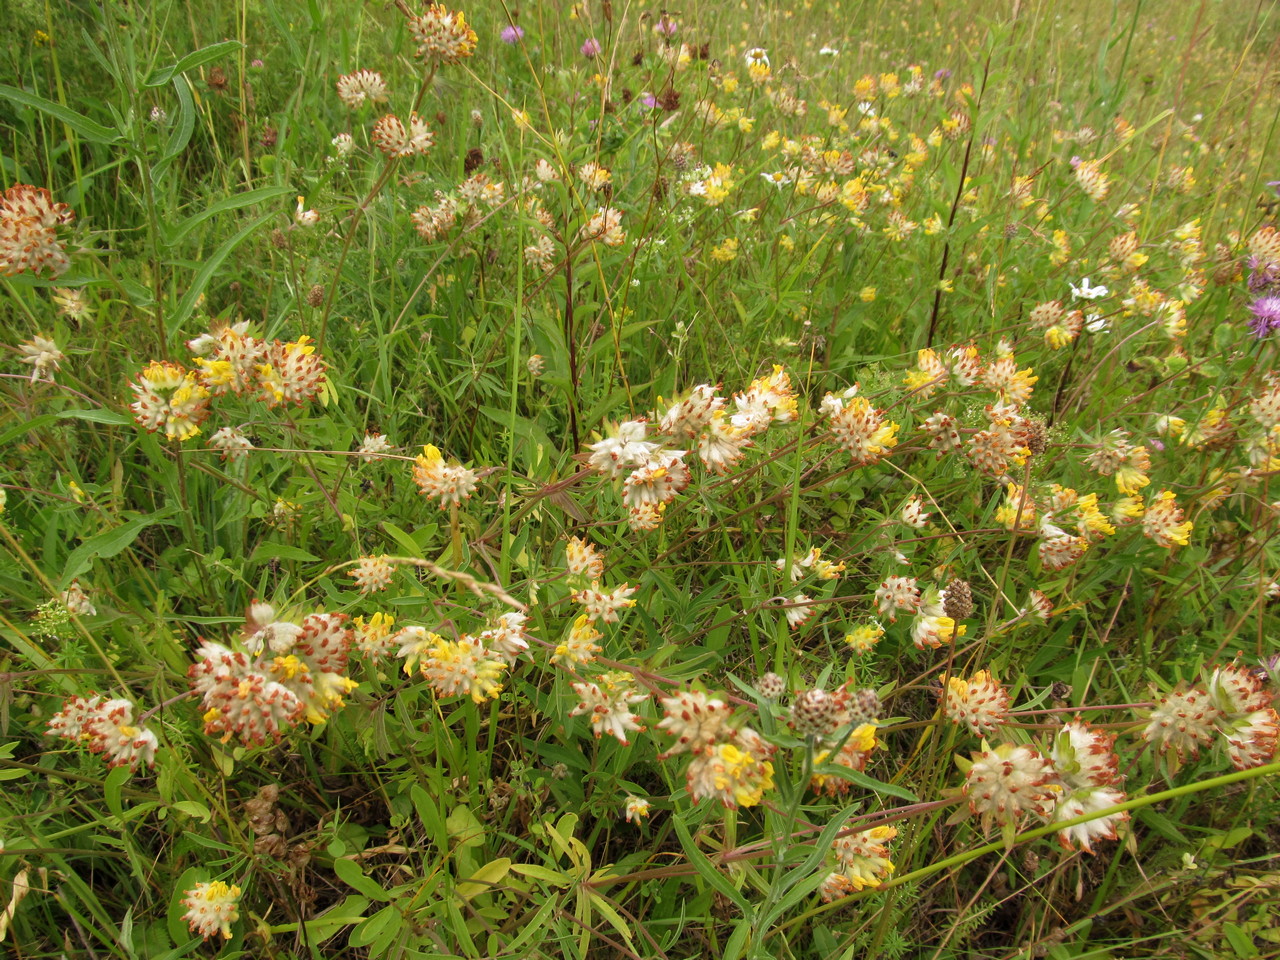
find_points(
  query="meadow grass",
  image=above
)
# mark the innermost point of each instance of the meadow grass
(750, 480)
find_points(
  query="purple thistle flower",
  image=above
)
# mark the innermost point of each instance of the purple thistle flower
(511, 33)
(943, 74)
(1266, 316)
(665, 27)
(648, 100)
(591, 48)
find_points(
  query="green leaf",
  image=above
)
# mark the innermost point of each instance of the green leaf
(96, 416)
(198, 58)
(349, 872)
(91, 130)
(406, 541)
(707, 870)
(108, 544)
(280, 551)
(350, 911)
(486, 879)
(180, 136)
(1161, 825)
(26, 426)
(370, 929)
(1240, 941)
(234, 202)
(194, 808)
(538, 872)
(869, 783)
(206, 272)
(178, 931)
(111, 789)
(606, 910)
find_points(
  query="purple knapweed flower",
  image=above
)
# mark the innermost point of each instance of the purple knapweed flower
(1266, 316)
(648, 100)
(511, 33)
(943, 74)
(591, 48)
(665, 27)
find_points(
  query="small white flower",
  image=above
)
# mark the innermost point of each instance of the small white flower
(43, 355)
(1096, 323)
(777, 179)
(305, 218)
(1086, 292)
(828, 52)
(867, 108)
(757, 55)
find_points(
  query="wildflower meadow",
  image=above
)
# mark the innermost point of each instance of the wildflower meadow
(737, 480)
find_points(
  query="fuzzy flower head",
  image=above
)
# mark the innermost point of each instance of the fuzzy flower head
(695, 719)
(583, 559)
(862, 858)
(608, 704)
(169, 398)
(372, 574)
(43, 355)
(1163, 521)
(442, 35)
(736, 772)
(1008, 782)
(212, 908)
(862, 638)
(579, 645)
(291, 372)
(863, 431)
(373, 446)
(979, 703)
(355, 89)
(602, 606)
(29, 226)
(853, 755)
(108, 727)
(623, 450)
(1092, 180)
(656, 481)
(1082, 836)
(766, 400)
(898, 593)
(605, 225)
(636, 809)
(1181, 723)
(1084, 758)
(398, 139)
(448, 483)
(454, 668)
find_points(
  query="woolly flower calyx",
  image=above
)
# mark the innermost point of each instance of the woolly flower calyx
(29, 223)
(448, 483)
(442, 35)
(608, 704)
(1004, 784)
(212, 908)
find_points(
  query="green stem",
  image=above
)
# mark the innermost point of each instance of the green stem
(960, 859)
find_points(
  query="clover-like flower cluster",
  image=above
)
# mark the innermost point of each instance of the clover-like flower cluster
(279, 674)
(108, 727)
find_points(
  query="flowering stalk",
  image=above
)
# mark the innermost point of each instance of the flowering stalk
(387, 168)
(960, 859)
